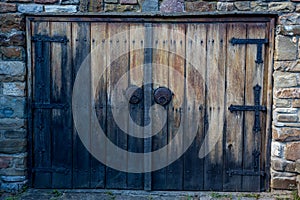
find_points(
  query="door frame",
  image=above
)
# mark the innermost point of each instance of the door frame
(163, 18)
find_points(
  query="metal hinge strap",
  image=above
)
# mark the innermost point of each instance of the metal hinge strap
(50, 105)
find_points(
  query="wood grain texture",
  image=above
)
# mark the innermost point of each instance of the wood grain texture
(99, 46)
(80, 51)
(195, 76)
(254, 75)
(215, 108)
(235, 79)
(41, 117)
(118, 59)
(61, 121)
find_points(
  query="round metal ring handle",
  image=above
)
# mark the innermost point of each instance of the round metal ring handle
(162, 96)
(134, 94)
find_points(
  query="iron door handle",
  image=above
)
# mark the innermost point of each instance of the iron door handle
(162, 96)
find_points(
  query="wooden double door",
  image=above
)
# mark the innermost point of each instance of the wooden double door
(226, 62)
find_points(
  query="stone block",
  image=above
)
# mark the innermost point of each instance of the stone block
(282, 103)
(200, 6)
(283, 165)
(296, 103)
(281, 6)
(111, 1)
(277, 149)
(130, 2)
(45, 1)
(286, 134)
(258, 6)
(13, 39)
(288, 183)
(225, 6)
(12, 68)
(11, 123)
(12, 53)
(7, 7)
(297, 166)
(12, 107)
(291, 66)
(70, 2)
(13, 187)
(286, 110)
(242, 5)
(13, 146)
(285, 48)
(288, 93)
(65, 8)
(172, 6)
(287, 118)
(30, 8)
(149, 5)
(292, 151)
(13, 178)
(5, 162)
(9, 22)
(290, 30)
(289, 19)
(14, 88)
(285, 79)
(15, 134)
(120, 8)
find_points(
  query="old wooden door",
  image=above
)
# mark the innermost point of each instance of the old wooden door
(212, 72)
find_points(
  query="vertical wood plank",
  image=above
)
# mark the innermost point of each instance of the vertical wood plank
(81, 157)
(175, 116)
(160, 74)
(216, 54)
(268, 96)
(235, 79)
(195, 76)
(137, 44)
(118, 60)
(254, 75)
(98, 68)
(61, 70)
(42, 123)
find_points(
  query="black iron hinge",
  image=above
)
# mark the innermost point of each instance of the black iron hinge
(242, 172)
(46, 38)
(258, 42)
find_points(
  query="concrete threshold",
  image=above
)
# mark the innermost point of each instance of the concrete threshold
(104, 194)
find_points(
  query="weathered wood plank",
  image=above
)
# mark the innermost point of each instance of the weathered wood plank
(235, 78)
(98, 98)
(175, 116)
(254, 75)
(61, 120)
(215, 81)
(118, 60)
(195, 76)
(160, 75)
(42, 122)
(137, 44)
(81, 157)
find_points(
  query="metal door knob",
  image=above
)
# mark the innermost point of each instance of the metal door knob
(162, 96)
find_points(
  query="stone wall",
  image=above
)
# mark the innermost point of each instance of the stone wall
(286, 115)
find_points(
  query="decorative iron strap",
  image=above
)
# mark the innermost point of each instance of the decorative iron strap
(245, 173)
(46, 38)
(50, 106)
(257, 108)
(258, 42)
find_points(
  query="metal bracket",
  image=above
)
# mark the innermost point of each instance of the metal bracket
(64, 106)
(257, 108)
(258, 42)
(241, 172)
(46, 38)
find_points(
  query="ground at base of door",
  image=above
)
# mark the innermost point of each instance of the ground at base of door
(101, 194)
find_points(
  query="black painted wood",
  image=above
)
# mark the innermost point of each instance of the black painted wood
(81, 157)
